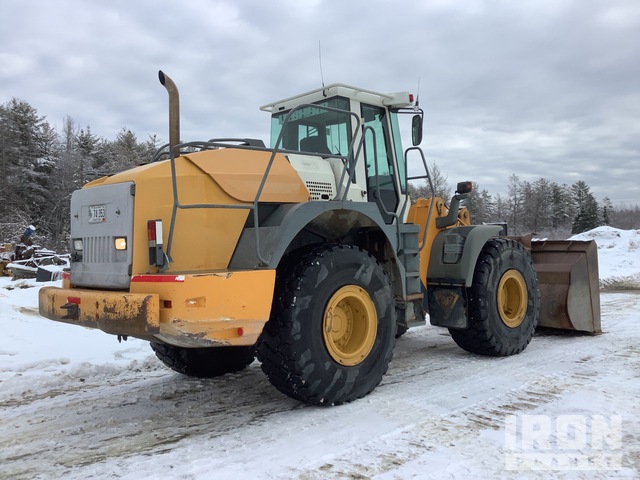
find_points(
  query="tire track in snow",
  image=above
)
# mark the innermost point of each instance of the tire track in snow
(467, 426)
(434, 395)
(129, 415)
(574, 372)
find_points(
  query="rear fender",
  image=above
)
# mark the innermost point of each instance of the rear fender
(327, 221)
(293, 227)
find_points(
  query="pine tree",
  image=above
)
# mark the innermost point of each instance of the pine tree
(541, 205)
(480, 205)
(607, 208)
(27, 155)
(588, 216)
(87, 144)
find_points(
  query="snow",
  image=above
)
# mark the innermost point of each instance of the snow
(619, 255)
(74, 403)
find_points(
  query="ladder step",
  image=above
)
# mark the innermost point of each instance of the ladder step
(416, 323)
(408, 227)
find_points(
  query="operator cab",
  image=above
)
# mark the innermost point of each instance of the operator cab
(322, 131)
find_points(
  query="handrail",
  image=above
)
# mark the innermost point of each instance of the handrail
(423, 242)
(349, 166)
(176, 201)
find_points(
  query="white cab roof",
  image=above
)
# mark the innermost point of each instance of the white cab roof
(400, 99)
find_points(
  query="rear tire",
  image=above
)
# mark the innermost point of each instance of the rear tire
(204, 362)
(503, 301)
(332, 329)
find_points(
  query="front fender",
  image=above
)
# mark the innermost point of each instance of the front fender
(454, 254)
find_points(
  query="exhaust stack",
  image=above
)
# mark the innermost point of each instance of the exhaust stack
(174, 110)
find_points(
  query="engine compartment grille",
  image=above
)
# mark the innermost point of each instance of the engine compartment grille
(320, 190)
(96, 249)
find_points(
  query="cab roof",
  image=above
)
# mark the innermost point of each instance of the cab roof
(397, 100)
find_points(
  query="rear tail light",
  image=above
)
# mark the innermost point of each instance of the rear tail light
(154, 233)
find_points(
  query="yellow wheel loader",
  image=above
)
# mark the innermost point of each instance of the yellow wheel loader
(308, 254)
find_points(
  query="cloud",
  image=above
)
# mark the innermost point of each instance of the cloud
(539, 88)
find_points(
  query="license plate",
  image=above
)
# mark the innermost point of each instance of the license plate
(97, 213)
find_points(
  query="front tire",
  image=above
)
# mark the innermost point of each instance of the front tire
(204, 362)
(332, 329)
(503, 301)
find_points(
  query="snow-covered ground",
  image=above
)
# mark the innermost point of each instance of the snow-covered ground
(74, 403)
(619, 256)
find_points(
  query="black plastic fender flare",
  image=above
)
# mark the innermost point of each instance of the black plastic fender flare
(280, 230)
(459, 272)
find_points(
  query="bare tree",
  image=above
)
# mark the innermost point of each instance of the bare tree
(440, 186)
(514, 208)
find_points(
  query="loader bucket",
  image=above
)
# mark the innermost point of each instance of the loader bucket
(569, 284)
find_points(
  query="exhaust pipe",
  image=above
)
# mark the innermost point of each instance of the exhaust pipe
(174, 110)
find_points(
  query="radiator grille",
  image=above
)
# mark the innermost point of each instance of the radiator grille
(320, 190)
(96, 249)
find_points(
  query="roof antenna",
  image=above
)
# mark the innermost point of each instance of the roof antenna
(416, 107)
(320, 59)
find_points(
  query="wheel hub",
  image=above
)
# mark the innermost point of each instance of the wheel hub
(350, 325)
(512, 298)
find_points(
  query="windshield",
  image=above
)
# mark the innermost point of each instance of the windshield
(315, 130)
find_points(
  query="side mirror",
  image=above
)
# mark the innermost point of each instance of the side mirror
(416, 130)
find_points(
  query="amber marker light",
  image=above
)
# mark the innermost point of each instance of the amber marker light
(120, 243)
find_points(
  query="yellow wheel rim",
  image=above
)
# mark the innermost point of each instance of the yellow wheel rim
(512, 298)
(349, 325)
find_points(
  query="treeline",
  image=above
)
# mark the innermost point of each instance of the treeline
(543, 207)
(40, 167)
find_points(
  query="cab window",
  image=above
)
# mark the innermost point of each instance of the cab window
(315, 130)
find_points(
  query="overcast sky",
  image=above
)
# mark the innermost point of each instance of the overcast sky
(539, 88)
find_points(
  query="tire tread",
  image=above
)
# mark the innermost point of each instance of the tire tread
(286, 360)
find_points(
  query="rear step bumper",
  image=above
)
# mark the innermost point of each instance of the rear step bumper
(198, 310)
(119, 313)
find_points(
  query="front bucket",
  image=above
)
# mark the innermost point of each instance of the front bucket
(569, 284)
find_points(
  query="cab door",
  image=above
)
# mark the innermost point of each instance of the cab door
(382, 185)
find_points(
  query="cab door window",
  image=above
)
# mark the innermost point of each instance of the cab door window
(381, 175)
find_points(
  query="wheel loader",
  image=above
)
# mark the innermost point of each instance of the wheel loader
(308, 254)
